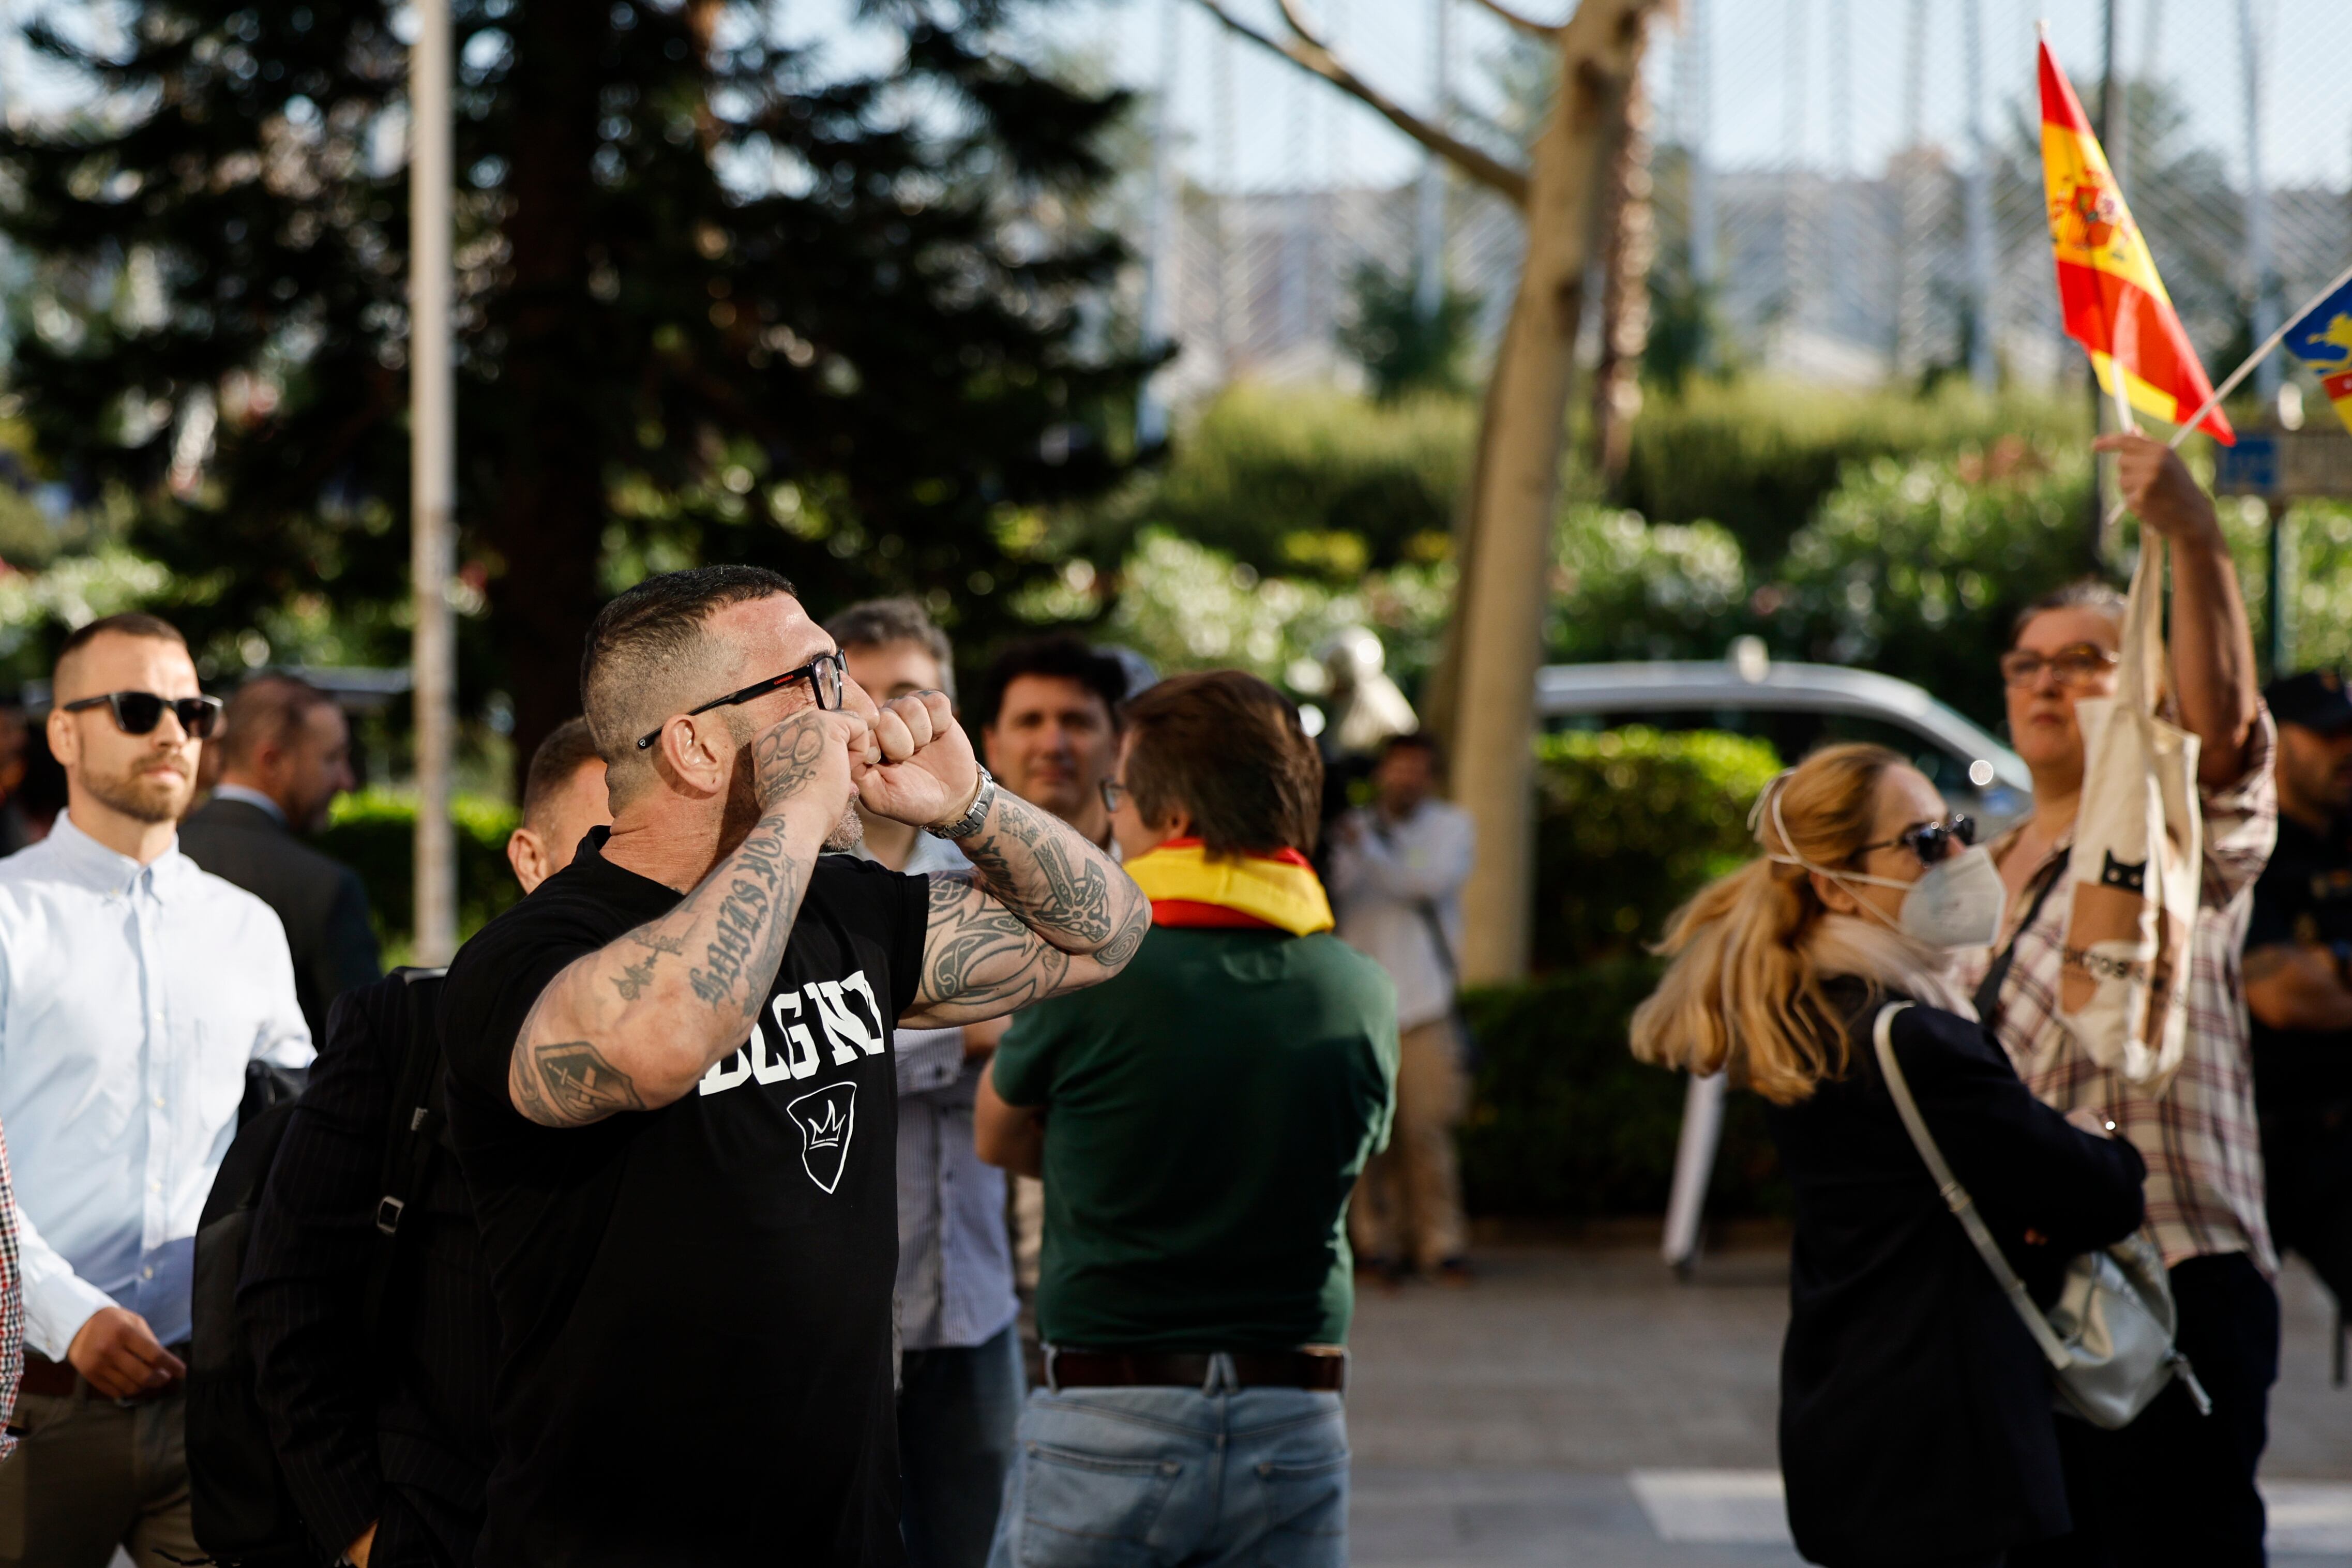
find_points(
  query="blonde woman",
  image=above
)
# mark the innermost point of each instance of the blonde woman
(1916, 1421)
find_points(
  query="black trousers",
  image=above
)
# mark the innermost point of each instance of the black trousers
(2175, 1486)
(2307, 1162)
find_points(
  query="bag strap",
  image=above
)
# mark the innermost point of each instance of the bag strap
(1956, 1197)
(412, 1135)
(1987, 997)
(2142, 637)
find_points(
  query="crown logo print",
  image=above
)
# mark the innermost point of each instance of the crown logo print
(827, 1118)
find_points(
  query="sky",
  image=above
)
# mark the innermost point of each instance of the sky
(1823, 80)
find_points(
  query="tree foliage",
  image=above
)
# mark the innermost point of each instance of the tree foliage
(713, 303)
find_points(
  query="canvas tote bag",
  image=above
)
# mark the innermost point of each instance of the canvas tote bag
(2137, 862)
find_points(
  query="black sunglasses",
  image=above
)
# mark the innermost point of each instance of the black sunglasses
(138, 713)
(1933, 842)
(826, 675)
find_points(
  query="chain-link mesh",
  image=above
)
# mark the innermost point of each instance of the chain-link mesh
(1853, 185)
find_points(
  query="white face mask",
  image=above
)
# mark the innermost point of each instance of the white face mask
(1958, 902)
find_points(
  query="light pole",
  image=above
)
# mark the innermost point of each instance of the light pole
(432, 478)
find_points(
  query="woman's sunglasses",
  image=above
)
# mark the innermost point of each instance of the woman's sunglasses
(138, 713)
(1933, 842)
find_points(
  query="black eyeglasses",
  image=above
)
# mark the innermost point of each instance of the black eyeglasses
(138, 713)
(1113, 791)
(1933, 842)
(826, 675)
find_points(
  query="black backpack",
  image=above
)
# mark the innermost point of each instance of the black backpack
(243, 1513)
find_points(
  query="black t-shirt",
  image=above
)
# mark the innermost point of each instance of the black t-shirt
(695, 1301)
(2304, 895)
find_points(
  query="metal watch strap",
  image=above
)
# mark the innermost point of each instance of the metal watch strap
(967, 824)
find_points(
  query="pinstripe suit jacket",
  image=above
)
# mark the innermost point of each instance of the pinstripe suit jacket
(400, 1436)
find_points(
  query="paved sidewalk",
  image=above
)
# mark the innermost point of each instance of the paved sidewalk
(1580, 1407)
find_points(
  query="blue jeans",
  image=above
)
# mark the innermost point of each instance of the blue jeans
(1138, 1477)
(957, 1409)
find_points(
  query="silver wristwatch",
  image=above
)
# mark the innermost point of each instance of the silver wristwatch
(967, 824)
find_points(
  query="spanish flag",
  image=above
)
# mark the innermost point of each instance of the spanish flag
(2115, 304)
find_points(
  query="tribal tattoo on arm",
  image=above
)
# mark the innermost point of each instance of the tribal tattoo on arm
(1044, 913)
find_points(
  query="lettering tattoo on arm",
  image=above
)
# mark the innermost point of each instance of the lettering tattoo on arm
(754, 917)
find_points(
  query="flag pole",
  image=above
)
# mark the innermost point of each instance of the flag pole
(2262, 351)
(432, 478)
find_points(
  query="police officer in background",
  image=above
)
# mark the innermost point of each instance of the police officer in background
(2299, 980)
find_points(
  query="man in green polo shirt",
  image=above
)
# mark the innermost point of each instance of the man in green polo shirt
(1200, 1121)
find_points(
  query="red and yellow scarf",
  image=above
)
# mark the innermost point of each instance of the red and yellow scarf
(1278, 891)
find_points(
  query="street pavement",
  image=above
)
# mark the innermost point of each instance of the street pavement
(1580, 1405)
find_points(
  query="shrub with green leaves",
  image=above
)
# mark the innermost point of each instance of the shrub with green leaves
(1564, 1123)
(1314, 482)
(374, 833)
(1758, 455)
(1185, 606)
(1629, 823)
(1630, 589)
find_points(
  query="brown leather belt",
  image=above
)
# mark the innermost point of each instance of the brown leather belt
(1325, 1371)
(49, 1379)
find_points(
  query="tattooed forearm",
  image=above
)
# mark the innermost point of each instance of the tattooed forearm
(1049, 913)
(570, 1083)
(750, 930)
(975, 945)
(1063, 888)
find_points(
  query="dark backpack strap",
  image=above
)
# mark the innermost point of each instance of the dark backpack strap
(1988, 998)
(412, 1135)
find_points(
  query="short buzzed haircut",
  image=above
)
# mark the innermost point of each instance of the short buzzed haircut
(646, 637)
(1227, 748)
(879, 623)
(568, 748)
(129, 624)
(1057, 656)
(267, 710)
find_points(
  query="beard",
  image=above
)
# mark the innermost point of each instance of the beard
(848, 834)
(143, 794)
(743, 810)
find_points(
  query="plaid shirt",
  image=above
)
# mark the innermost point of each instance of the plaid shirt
(2199, 1136)
(12, 1304)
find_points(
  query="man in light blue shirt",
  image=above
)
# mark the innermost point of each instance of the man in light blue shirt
(134, 990)
(960, 1383)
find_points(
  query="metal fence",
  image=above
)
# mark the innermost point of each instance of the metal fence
(1854, 185)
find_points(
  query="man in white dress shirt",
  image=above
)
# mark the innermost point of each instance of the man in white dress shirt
(135, 991)
(1397, 870)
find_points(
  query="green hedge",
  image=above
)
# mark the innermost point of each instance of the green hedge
(1630, 823)
(1758, 456)
(374, 832)
(1564, 1123)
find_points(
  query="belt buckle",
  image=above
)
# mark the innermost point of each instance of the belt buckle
(1052, 1354)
